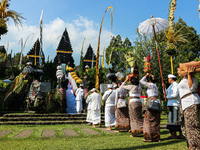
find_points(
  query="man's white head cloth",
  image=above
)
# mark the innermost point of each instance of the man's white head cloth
(93, 90)
(171, 76)
(110, 86)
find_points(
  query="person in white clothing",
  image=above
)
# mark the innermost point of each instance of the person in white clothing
(174, 107)
(135, 105)
(151, 125)
(79, 98)
(109, 98)
(190, 104)
(95, 100)
(115, 87)
(89, 114)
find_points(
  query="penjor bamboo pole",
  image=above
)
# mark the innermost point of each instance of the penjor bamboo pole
(98, 47)
(171, 65)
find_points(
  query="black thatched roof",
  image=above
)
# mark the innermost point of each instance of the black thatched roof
(89, 57)
(35, 52)
(64, 51)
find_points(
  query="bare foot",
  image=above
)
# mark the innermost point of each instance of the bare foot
(108, 128)
(116, 131)
(94, 126)
(146, 140)
(89, 124)
(131, 136)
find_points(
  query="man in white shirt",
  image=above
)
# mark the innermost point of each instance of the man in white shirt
(95, 100)
(174, 107)
(79, 98)
(109, 98)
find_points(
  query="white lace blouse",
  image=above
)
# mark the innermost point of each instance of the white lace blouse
(152, 89)
(184, 89)
(134, 91)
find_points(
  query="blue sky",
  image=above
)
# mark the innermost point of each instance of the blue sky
(83, 18)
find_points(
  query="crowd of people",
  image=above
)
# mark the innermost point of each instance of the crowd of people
(183, 102)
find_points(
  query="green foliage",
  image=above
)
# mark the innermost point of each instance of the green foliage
(49, 73)
(115, 52)
(6, 14)
(81, 66)
(91, 76)
(3, 27)
(52, 101)
(189, 50)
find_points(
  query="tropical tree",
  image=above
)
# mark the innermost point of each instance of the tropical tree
(5, 14)
(116, 51)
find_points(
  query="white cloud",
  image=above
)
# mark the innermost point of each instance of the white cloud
(78, 29)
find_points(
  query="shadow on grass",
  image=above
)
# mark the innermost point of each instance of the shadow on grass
(151, 145)
(164, 132)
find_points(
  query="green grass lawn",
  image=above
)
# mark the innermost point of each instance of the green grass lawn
(104, 140)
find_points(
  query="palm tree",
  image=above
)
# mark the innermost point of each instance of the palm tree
(5, 14)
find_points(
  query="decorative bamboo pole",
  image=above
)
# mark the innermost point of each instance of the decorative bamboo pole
(171, 25)
(98, 47)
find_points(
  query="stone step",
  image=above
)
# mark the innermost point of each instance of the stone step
(40, 118)
(42, 122)
(44, 115)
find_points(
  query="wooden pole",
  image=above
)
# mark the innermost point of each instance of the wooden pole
(159, 60)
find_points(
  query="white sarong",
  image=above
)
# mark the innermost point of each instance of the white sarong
(96, 116)
(79, 106)
(110, 118)
(89, 116)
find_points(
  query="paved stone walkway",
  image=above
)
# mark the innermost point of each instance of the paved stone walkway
(90, 131)
(24, 134)
(69, 132)
(5, 132)
(48, 133)
(51, 132)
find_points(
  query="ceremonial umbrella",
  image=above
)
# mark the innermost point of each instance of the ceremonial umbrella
(154, 25)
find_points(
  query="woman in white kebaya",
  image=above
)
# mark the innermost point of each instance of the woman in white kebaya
(151, 125)
(190, 102)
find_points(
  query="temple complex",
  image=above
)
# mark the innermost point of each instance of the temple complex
(89, 57)
(64, 51)
(34, 54)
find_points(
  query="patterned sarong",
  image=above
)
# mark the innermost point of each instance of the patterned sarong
(136, 120)
(122, 119)
(192, 126)
(151, 126)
